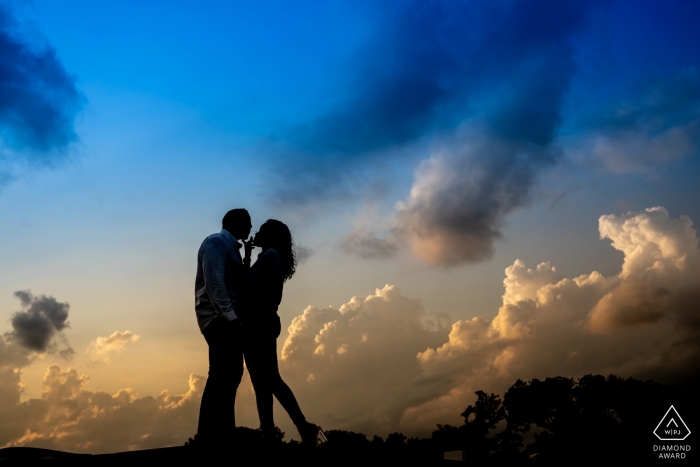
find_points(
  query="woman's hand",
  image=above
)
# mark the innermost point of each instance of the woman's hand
(248, 248)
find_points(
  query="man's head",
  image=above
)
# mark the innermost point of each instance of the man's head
(237, 222)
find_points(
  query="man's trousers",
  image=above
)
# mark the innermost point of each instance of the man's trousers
(217, 420)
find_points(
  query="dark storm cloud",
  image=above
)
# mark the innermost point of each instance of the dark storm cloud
(460, 196)
(433, 65)
(40, 321)
(38, 99)
(490, 78)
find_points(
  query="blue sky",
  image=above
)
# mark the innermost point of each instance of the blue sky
(426, 145)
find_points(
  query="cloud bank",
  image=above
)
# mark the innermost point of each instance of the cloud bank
(383, 363)
(642, 323)
(69, 417)
(37, 328)
(38, 99)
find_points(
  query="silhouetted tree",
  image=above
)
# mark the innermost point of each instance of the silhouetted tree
(585, 419)
(448, 438)
(542, 422)
(479, 419)
(396, 441)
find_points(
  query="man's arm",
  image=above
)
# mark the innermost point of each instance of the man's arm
(213, 266)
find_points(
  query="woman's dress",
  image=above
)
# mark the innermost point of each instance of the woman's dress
(261, 325)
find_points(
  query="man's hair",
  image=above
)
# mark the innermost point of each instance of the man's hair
(234, 219)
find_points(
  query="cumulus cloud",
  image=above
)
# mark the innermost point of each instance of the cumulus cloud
(349, 365)
(632, 324)
(13, 357)
(70, 417)
(40, 322)
(367, 367)
(35, 329)
(100, 348)
(38, 98)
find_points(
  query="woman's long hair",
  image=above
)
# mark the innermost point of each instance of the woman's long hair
(277, 235)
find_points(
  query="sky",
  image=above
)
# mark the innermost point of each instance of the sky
(479, 191)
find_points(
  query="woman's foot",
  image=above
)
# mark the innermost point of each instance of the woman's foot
(309, 433)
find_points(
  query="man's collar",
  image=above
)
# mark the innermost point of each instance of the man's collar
(226, 232)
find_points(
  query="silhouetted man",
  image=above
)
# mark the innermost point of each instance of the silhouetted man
(220, 272)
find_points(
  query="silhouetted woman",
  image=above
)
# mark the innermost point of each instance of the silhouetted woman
(262, 295)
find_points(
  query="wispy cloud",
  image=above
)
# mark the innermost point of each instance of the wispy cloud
(303, 253)
(661, 125)
(100, 348)
(366, 244)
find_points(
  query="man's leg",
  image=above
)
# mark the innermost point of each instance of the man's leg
(217, 421)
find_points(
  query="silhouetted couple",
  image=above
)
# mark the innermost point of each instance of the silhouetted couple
(236, 307)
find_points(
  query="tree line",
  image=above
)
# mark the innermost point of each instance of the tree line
(536, 422)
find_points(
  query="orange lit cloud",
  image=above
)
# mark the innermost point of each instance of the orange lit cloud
(69, 417)
(100, 348)
(643, 322)
(383, 363)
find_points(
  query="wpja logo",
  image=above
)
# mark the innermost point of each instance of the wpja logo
(671, 428)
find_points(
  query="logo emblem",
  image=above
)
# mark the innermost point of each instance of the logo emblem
(672, 427)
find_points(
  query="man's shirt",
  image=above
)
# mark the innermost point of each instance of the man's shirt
(219, 275)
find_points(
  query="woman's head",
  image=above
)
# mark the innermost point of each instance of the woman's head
(276, 234)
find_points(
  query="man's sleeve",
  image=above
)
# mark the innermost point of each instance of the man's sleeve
(214, 265)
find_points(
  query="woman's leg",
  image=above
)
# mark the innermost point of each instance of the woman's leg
(283, 393)
(257, 361)
(261, 360)
(308, 431)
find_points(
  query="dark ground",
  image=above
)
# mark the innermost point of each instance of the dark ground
(551, 422)
(184, 455)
